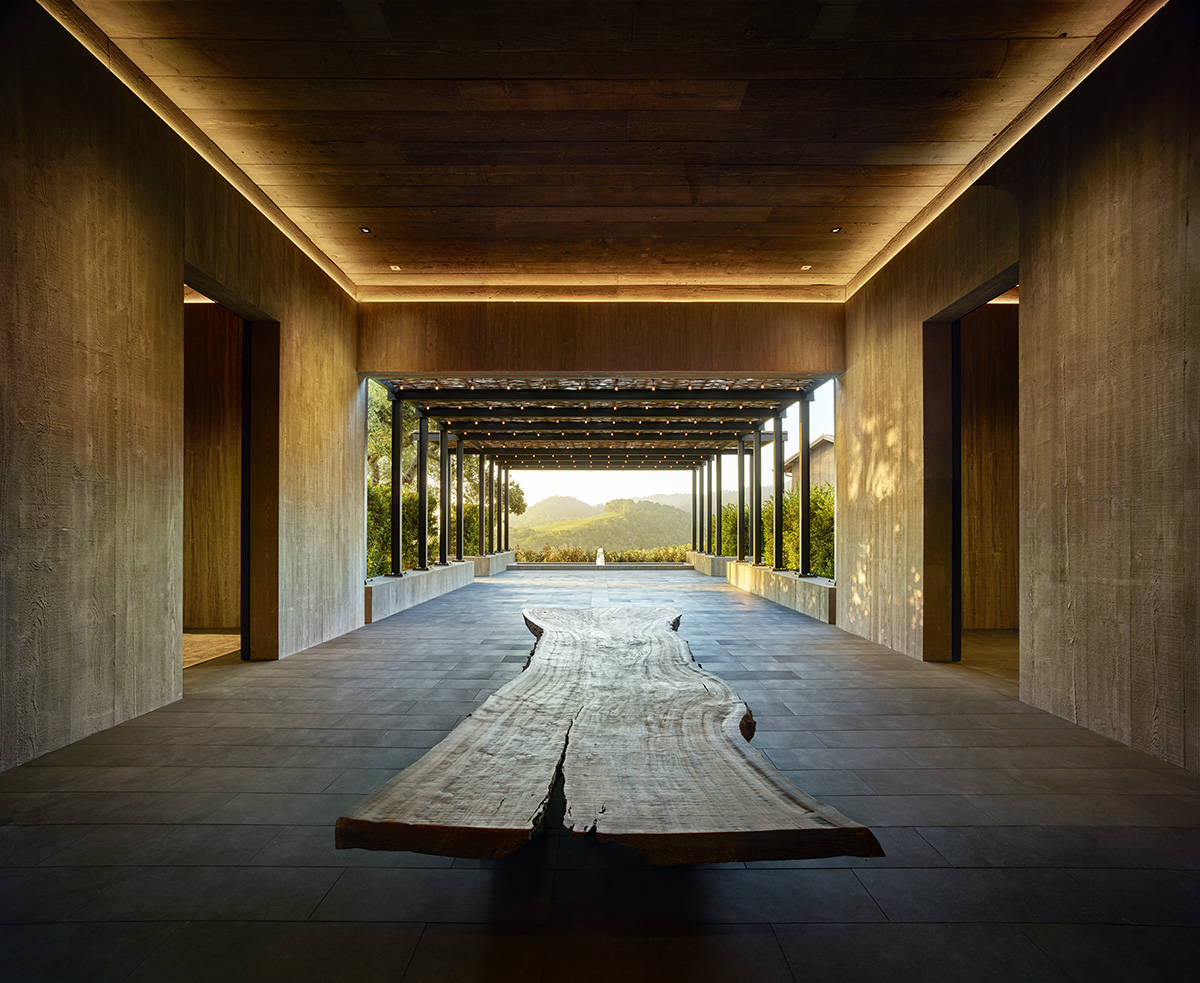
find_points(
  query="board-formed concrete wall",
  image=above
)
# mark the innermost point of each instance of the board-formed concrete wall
(1110, 397)
(1095, 205)
(101, 206)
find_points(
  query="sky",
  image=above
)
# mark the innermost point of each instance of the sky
(598, 487)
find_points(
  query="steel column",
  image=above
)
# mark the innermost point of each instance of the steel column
(443, 498)
(482, 504)
(741, 499)
(423, 493)
(708, 504)
(397, 507)
(695, 513)
(756, 536)
(458, 500)
(491, 533)
(777, 511)
(507, 481)
(804, 480)
(717, 503)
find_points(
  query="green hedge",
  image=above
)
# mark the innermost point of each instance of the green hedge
(577, 554)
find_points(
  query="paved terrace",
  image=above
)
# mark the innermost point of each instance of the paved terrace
(196, 842)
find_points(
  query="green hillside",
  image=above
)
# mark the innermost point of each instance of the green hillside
(624, 524)
(556, 508)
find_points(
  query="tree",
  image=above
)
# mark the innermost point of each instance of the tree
(821, 503)
(379, 487)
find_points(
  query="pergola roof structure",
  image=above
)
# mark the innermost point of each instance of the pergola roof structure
(601, 423)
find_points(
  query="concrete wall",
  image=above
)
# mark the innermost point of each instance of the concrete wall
(1098, 196)
(101, 206)
(1110, 398)
(386, 596)
(881, 547)
(322, 405)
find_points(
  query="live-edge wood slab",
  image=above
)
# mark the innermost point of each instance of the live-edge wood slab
(652, 748)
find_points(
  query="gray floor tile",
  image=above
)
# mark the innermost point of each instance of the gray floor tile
(28, 846)
(1120, 953)
(497, 897)
(995, 895)
(1067, 846)
(313, 846)
(37, 894)
(72, 952)
(915, 954)
(283, 808)
(211, 894)
(477, 953)
(701, 896)
(1147, 897)
(174, 844)
(286, 952)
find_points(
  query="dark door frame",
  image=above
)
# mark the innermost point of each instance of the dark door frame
(942, 401)
(260, 468)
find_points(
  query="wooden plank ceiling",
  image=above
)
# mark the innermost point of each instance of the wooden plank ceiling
(652, 150)
(602, 150)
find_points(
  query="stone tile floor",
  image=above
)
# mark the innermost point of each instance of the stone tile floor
(196, 842)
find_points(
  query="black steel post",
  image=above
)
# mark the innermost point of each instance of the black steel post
(458, 500)
(777, 512)
(708, 507)
(695, 512)
(482, 503)
(756, 536)
(397, 451)
(443, 498)
(804, 480)
(423, 493)
(741, 499)
(717, 503)
(491, 534)
(507, 489)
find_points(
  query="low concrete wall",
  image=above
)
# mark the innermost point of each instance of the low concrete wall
(492, 563)
(814, 596)
(387, 595)
(709, 564)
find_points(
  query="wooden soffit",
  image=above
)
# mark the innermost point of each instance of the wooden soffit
(491, 150)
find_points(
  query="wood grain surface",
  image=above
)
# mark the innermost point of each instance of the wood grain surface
(653, 751)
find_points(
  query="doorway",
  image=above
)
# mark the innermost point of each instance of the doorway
(231, 501)
(971, 511)
(989, 517)
(212, 480)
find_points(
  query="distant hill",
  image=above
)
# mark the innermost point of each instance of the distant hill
(556, 508)
(623, 525)
(681, 500)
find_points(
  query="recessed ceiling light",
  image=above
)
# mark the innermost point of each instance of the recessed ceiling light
(395, 267)
(836, 228)
(363, 228)
(803, 267)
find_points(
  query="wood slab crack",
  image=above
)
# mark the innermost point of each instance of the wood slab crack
(652, 749)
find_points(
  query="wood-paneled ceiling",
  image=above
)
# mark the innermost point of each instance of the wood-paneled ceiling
(653, 149)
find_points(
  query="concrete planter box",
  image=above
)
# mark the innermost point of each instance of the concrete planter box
(709, 564)
(492, 563)
(814, 596)
(388, 595)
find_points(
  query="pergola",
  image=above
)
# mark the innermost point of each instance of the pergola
(592, 423)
